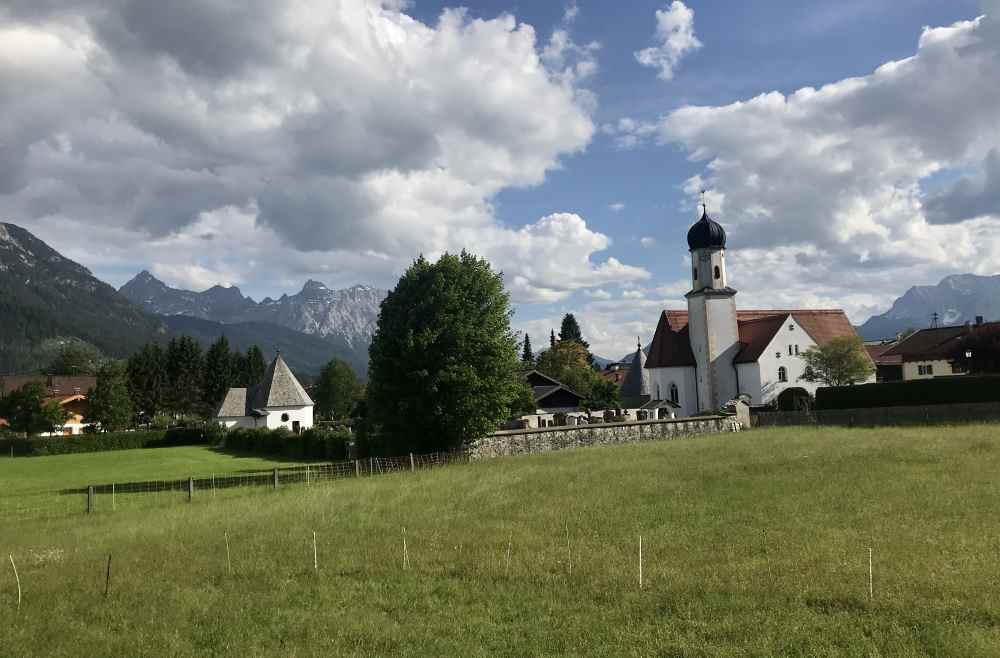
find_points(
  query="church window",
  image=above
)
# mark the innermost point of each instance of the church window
(796, 350)
(718, 272)
(782, 374)
(694, 273)
(791, 327)
(789, 350)
(284, 418)
(674, 394)
(777, 355)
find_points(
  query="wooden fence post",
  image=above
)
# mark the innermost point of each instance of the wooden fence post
(190, 489)
(412, 466)
(90, 499)
(275, 478)
(357, 468)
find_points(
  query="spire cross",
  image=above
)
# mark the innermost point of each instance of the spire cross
(704, 206)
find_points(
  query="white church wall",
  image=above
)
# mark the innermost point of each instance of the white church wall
(287, 416)
(776, 356)
(246, 422)
(686, 380)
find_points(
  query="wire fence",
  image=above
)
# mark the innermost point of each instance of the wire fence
(116, 496)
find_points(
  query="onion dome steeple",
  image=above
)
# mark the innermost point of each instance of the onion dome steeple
(706, 233)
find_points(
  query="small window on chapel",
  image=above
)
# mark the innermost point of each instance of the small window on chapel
(718, 272)
(789, 350)
(791, 327)
(796, 350)
(782, 374)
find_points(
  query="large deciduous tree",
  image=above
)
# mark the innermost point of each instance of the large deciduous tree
(569, 363)
(336, 390)
(839, 362)
(27, 410)
(443, 362)
(109, 403)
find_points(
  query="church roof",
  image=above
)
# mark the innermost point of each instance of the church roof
(279, 388)
(671, 345)
(636, 382)
(706, 233)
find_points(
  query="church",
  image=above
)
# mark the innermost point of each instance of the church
(702, 358)
(279, 401)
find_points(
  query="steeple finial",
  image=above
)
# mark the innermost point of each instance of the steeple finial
(638, 342)
(704, 206)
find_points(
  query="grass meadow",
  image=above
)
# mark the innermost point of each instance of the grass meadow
(31, 485)
(754, 543)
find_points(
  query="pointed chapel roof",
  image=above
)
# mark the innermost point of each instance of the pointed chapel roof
(636, 382)
(280, 388)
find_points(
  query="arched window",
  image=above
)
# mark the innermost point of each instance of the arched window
(718, 272)
(675, 395)
(694, 273)
(782, 374)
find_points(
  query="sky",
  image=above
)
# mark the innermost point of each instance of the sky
(851, 149)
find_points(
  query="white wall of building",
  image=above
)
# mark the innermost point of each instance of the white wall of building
(776, 356)
(247, 422)
(939, 368)
(686, 380)
(276, 417)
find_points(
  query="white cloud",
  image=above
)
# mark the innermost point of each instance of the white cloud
(571, 12)
(333, 129)
(599, 293)
(629, 133)
(675, 39)
(618, 206)
(821, 191)
(647, 242)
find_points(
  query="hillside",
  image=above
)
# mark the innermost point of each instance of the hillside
(956, 299)
(753, 544)
(45, 295)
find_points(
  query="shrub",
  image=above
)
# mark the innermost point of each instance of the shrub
(946, 390)
(314, 443)
(61, 445)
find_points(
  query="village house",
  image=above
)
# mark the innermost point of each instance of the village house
(278, 401)
(925, 354)
(70, 392)
(703, 357)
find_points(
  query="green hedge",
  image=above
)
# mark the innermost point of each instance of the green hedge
(945, 390)
(314, 443)
(62, 445)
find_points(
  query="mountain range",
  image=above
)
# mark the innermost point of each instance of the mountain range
(343, 318)
(46, 298)
(956, 299)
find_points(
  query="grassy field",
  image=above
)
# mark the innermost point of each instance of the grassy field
(33, 474)
(754, 544)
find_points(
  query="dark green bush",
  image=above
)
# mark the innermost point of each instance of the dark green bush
(62, 445)
(944, 390)
(314, 443)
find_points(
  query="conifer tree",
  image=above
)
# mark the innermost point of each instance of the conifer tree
(526, 356)
(218, 376)
(184, 376)
(147, 378)
(109, 401)
(256, 366)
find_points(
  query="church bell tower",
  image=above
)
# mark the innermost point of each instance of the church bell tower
(715, 337)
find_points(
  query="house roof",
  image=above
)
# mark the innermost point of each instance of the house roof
(55, 385)
(279, 388)
(927, 344)
(671, 345)
(878, 354)
(542, 386)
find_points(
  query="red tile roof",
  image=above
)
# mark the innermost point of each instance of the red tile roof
(877, 354)
(671, 345)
